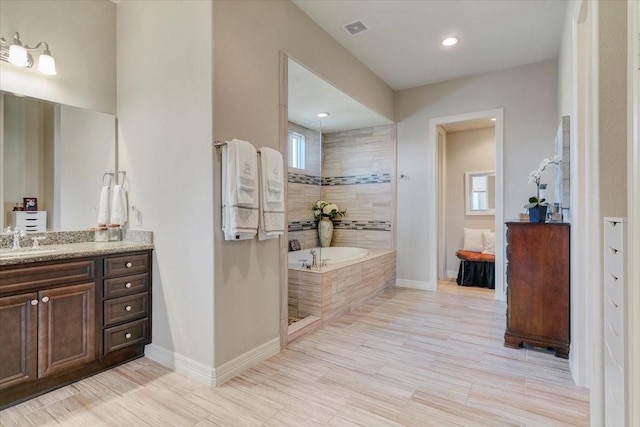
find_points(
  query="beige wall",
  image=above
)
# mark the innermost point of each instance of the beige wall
(612, 100)
(364, 159)
(466, 151)
(528, 95)
(82, 39)
(248, 38)
(165, 145)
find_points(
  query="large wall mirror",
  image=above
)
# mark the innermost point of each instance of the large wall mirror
(480, 193)
(56, 154)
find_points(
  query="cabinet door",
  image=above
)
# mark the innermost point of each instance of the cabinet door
(18, 339)
(66, 328)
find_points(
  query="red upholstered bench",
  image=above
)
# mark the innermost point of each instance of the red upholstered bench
(476, 269)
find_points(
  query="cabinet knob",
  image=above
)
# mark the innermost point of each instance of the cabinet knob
(34, 302)
(127, 308)
(127, 285)
(45, 299)
(127, 335)
(128, 265)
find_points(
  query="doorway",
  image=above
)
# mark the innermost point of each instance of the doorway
(437, 138)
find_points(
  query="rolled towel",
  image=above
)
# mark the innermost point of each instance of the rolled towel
(119, 205)
(103, 207)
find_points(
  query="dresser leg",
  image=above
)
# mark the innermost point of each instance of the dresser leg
(512, 342)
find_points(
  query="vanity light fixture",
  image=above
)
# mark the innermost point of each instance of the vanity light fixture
(450, 41)
(322, 115)
(18, 54)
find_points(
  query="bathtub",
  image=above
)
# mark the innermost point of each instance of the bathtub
(326, 256)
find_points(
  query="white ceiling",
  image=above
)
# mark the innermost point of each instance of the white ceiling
(402, 45)
(310, 95)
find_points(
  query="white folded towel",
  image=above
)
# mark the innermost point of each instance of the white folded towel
(103, 207)
(271, 194)
(240, 202)
(119, 205)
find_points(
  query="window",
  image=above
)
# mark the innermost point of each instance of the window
(296, 150)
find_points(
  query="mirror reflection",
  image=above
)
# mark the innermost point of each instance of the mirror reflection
(54, 156)
(480, 191)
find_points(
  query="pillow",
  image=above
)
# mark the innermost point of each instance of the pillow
(488, 242)
(473, 240)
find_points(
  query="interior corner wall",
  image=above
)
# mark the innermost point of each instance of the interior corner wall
(528, 95)
(82, 38)
(467, 151)
(165, 147)
(248, 39)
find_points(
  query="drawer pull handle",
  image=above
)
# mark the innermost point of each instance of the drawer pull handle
(127, 308)
(45, 299)
(127, 285)
(613, 277)
(127, 335)
(128, 265)
(34, 302)
(612, 250)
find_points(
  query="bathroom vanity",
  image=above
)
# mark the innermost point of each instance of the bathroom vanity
(69, 311)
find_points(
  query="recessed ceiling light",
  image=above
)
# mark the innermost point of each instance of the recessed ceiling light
(322, 115)
(493, 119)
(450, 41)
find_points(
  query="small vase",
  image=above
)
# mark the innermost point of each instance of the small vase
(325, 231)
(538, 214)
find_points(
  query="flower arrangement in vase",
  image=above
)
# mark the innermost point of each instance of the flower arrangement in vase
(326, 212)
(537, 207)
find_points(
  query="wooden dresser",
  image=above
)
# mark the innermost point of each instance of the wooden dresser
(538, 286)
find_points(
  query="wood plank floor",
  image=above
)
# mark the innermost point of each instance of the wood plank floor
(407, 358)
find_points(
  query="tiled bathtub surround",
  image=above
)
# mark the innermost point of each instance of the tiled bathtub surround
(357, 174)
(341, 288)
(357, 171)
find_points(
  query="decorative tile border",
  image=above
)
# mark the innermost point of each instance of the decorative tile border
(303, 225)
(362, 225)
(301, 178)
(375, 178)
(342, 225)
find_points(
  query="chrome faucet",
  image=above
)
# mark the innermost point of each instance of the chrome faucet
(314, 262)
(17, 234)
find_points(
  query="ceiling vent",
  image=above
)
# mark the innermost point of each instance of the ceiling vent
(355, 28)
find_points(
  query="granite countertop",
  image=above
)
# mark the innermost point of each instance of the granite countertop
(70, 251)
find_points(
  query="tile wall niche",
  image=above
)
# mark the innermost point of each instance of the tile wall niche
(357, 173)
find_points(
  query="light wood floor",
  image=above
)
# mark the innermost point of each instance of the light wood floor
(407, 358)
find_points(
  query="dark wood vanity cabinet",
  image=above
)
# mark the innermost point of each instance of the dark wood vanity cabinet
(538, 286)
(63, 320)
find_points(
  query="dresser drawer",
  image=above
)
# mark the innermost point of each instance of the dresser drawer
(121, 336)
(127, 308)
(126, 264)
(29, 215)
(126, 285)
(25, 278)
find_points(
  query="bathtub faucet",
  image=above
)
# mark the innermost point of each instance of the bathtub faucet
(314, 262)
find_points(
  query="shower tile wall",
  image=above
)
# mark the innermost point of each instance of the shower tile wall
(304, 190)
(357, 171)
(357, 174)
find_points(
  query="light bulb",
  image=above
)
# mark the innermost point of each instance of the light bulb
(450, 41)
(18, 55)
(46, 64)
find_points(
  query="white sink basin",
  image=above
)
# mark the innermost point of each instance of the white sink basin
(26, 252)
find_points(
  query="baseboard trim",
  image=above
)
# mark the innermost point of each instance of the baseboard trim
(251, 358)
(181, 364)
(414, 284)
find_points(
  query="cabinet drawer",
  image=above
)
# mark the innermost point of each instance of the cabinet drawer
(29, 215)
(126, 264)
(26, 278)
(131, 333)
(122, 309)
(126, 285)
